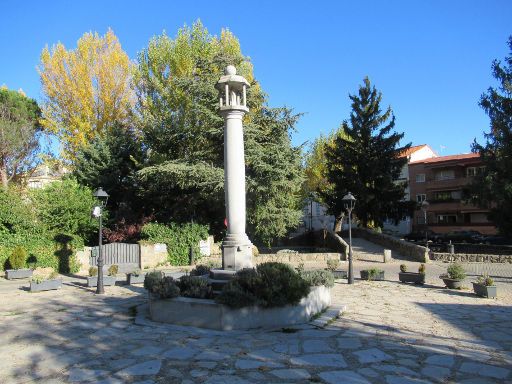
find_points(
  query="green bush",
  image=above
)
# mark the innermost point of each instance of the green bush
(422, 269)
(456, 272)
(333, 264)
(318, 277)
(113, 270)
(403, 268)
(178, 238)
(485, 280)
(163, 287)
(93, 271)
(18, 258)
(269, 285)
(196, 287)
(373, 273)
(65, 207)
(200, 270)
(152, 278)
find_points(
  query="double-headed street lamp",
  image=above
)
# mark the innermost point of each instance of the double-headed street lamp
(424, 207)
(102, 197)
(349, 202)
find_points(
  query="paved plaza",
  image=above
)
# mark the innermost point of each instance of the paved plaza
(390, 333)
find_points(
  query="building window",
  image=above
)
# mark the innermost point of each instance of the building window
(446, 219)
(447, 174)
(420, 178)
(471, 171)
(420, 198)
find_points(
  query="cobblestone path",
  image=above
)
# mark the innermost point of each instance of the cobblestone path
(390, 333)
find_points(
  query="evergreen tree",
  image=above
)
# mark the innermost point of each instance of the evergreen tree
(493, 187)
(183, 131)
(365, 162)
(19, 134)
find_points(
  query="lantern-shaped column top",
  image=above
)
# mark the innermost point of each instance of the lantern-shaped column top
(233, 90)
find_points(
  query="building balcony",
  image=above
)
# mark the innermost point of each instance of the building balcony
(446, 183)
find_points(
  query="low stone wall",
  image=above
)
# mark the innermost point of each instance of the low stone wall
(293, 258)
(82, 257)
(208, 314)
(471, 258)
(412, 251)
(152, 255)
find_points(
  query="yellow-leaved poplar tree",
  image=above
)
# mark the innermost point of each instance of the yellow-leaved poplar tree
(87, 90)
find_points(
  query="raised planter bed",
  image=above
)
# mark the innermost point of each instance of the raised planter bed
(135, 279)
(45, 285)
(365, 274)
(412, 277)
(339, 274)
(107, 280)
(489, 291)
(208, 314)
(11, 274)
(452, 284)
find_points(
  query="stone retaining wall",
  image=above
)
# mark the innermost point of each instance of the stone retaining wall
(412, 251)
(471, 257)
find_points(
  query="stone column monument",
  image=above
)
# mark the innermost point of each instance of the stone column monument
(236, 247)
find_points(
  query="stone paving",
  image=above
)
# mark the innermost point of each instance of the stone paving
(391, 333)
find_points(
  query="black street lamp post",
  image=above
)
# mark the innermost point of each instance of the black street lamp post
(349, 202)
(102, 196)
(424, 207)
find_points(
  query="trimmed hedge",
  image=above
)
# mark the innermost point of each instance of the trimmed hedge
(178, 237)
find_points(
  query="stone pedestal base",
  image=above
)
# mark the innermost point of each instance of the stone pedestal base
(236, 253)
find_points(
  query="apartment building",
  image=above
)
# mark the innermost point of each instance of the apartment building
(413, 154)
(441, 181)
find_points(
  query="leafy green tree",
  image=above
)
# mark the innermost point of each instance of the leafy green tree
(493, 188)
(111, 161)
(19, 134)
(65, 207)
(183, 132)
(365, 162)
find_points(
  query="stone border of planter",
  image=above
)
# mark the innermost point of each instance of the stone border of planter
(208, 314)
(11, 274)
(489, 291)
(107, 280)
(45, 285)
(411, 277)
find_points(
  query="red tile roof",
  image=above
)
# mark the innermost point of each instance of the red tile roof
(411, 150)
(464, 156)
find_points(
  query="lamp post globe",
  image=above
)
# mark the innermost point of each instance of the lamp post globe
(102, 196)
(349, 202)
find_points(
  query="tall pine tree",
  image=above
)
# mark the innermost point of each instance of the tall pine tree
(365, 162)
(493, 188)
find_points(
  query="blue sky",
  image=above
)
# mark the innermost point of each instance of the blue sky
(431, 59)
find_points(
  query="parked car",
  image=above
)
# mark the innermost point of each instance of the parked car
(496, 240)
(420, 236)
(463, 237)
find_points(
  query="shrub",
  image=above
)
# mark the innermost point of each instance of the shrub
(403, 268)
(66, 207)
(53, 275)
(164, 287)
(179, 239)
(196, 287)
(333, 264)
(18, 258)
(255, 251)
(318, 277)
(200, 270)
(456, 272)
(152, 278)
(113, 269)
(485, 280)
(373, 273)
(422, 268)
(136, 272)
(269, 285)
(93, 271)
